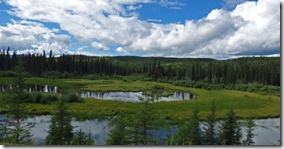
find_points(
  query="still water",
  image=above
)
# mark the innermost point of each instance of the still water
(267, 130)
(32, 88)
(98, 128)
(134, 96)
(118, 96)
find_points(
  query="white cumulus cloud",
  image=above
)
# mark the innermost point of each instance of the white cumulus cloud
(250, 28)
(99, 46)
(26, 36)
(121, 50)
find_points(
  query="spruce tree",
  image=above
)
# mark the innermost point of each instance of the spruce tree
(119, 135)
(145, 123)
(189, 133)
(182, 136)
(249, 133)
(210, 134)
(60, 129)
(239, 135)
(230, 130)
(80, 138)
(14, 126)
(195, 129)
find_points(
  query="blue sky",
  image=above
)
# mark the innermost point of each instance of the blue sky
(186, 10)
(172, 28)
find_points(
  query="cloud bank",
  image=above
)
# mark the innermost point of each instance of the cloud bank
(251, 28)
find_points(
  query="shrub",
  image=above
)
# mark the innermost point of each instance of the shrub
(7, 73)
(28, 97)
(52, 97)
(51, 74)
(37, 97)
(44, 100)
(72, 97)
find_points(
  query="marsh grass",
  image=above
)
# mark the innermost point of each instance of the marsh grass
(245, 104)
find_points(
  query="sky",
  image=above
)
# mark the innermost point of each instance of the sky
(218, 29)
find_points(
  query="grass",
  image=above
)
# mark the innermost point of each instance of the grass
(245, 104)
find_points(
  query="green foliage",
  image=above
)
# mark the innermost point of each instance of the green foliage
(195, 129)
(60, 129)
(37, 97)
(230, 133)
(80, 138)
(249, 133)
(147, 118)
(119, 135)
(256, 106)
(72, 97)
(44, 98)
(260, 70)
(210, 132)
(14, 127)
(8, 73)
(140, 128)
(57, 75)
(182, 136)
(189, 133)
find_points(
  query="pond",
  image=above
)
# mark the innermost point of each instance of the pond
(134, 96)
(267, 130)
(118, 96)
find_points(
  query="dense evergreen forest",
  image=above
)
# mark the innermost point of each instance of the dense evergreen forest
(260, 70)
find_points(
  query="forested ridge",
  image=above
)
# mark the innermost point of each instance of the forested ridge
(260, 70)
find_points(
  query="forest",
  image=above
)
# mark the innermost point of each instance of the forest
(214, 81)
(232, 71)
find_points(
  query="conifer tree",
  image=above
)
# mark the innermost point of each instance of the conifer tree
(145, 123)
(182, 136)
(210, 134)
(249, 133)
(229, 130)
(14, 126)
(80, 138)
(239, 134)
(189, 133)
(60, 129)
(119, 135)
(195, 129)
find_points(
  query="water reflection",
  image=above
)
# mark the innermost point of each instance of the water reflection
(118, 96)
(32, 88)
(134, 96)
(98, 128)
(267, 130)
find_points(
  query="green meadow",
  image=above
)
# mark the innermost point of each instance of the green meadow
(246, 104)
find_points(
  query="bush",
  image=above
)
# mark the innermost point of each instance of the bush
(28, 97)
(90, 77)
(7, 73)
(37, 97)
(66, 75)
(52, 98)
(51, 74)
(44, 98)
(72, 97)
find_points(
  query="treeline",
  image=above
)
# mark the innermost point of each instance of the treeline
(260, 70)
